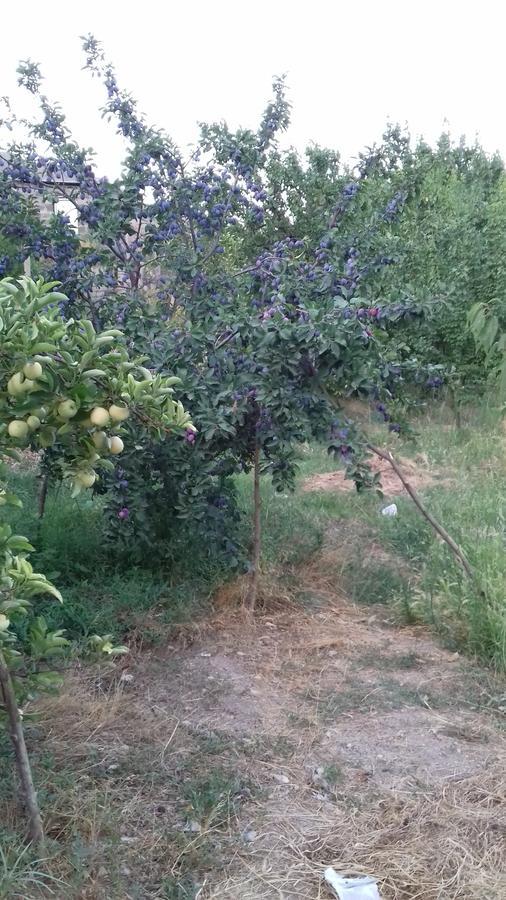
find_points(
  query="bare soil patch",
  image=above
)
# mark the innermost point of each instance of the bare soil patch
(237, 763)
(416, 471)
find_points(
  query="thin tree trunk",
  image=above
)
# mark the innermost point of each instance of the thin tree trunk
(255, 550)
(454, 547)
(456, 408)
(43, 494)
(35, 829)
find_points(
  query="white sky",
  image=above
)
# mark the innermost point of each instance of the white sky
(351, 66)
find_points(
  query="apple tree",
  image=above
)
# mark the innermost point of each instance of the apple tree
(66, 387)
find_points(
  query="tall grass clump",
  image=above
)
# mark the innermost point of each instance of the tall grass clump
(471, 503)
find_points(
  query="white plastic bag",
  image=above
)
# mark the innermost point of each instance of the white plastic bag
(390, 510)
(363, 888)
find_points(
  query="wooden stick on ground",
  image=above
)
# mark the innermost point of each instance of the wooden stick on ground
(454, 547)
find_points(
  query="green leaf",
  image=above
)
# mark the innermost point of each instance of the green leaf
(10, 499)
(20, 544)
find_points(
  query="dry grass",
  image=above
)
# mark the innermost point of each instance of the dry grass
(244, 699)
(416, 471)
(447, 844)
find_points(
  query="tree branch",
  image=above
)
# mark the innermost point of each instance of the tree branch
(454, 547)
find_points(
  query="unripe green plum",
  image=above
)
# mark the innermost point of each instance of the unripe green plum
(28, 385)
(86, 478)
(118, 413)
(67, 409)
(32, 370)
(33, 423)
(99, 416)
(116, 445)
(18, 429)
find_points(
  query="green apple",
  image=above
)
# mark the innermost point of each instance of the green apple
(116, 445)
(118, 413)
(99, 416)
(86, 478)
(67, 409)
(15, 384)
(33, 423)
(18, 429)
(32, 370)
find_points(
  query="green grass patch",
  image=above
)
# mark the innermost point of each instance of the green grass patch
(474, 513)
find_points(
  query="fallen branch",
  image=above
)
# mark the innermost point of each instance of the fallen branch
(442, 532)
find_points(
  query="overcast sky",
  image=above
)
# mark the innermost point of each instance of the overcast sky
(350, 66)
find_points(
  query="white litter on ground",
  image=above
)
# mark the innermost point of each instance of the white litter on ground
(363, 888)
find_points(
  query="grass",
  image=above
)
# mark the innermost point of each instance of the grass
(419, 578)
(138, 604)
(102, 594)
(213, 800)
(468, 616)
(21, 874)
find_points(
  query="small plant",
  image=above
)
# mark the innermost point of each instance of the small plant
(179, 888)
(212, 800)
(21, 873)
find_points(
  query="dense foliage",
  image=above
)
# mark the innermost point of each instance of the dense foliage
(274, 286)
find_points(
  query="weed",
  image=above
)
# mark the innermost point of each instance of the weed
(374, 582)
(213, 800)
(298, 721)
(215, 743)
(174, 888)
(22, 875)
(268, 747)
(333, 774)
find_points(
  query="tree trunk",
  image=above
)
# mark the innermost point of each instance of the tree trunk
(35, 830)
(44, 484)
(255, 550)
(456, 405)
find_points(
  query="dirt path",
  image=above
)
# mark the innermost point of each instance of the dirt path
(251, 755)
